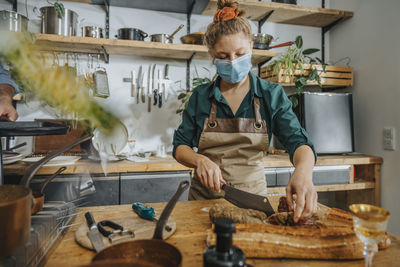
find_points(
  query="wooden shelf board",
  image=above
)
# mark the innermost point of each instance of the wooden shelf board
(50, 42)
(286, 14)
(329, 188)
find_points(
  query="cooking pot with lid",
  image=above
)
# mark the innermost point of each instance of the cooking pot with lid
(53, 24)
(131, 34)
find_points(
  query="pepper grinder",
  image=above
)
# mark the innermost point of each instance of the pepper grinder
(223, 254)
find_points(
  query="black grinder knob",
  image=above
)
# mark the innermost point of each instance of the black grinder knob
(223, 254)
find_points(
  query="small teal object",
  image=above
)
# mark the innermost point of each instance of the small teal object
(143, 211)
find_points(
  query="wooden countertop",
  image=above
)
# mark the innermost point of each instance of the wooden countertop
(170, 164)
(192, 222)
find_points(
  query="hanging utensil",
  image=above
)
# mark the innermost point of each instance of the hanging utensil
(144, 85)
(160, 94)
(132, 81)
(149, 89)
(100, 79)
(139, 83)
(155, 85)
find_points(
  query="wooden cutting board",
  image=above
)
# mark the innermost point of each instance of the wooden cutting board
(143, 229)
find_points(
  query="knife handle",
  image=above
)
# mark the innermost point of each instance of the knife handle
(155, 94)
(90, 220)
(166, 71)
(160, 100)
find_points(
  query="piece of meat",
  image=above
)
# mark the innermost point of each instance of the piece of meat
(239, 215)
(283, 205)
(339, 215)
(286, 218)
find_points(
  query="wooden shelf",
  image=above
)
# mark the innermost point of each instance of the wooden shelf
(74, 44)
(286, 14)
(329, 188)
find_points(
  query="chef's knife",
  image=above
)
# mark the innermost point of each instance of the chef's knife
(140, 83)
(155, 83)
(94, 234)
(159, 89)
(144, 85)
(149, 89)
(133, 84)
(166, 83)
(247, 200)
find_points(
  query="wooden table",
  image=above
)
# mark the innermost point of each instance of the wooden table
(192, 222)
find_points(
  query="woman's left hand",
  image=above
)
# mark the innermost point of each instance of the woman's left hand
(306, 197)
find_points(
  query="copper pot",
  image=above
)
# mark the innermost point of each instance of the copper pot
(15, 222)
(16, 205)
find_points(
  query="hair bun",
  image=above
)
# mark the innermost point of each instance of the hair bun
(227, 3)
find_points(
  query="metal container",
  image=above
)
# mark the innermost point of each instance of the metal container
(262, 40)
(53, 24)
(12, 21)
(92, 31)
(131, 34)
(15, 213)
(161, 38)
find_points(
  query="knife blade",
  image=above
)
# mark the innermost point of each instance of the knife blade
(144, 85)
(247, 200)
(94, 234)
(149, 90)
(133, 84)
(139, 83)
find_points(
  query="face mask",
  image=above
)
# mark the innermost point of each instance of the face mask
(234, 71)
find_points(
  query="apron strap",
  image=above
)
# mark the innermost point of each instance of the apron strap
(213, 112)
(257, 114)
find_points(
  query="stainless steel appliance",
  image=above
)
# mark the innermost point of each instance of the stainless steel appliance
(328, 119)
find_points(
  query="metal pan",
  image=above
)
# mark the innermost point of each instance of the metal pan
(153, 252)
(165, 38)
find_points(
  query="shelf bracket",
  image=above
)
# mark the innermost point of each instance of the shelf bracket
(107, 9)
(105, 54)
(188, 62)
(263, 20)
(15, 5)
(189, 15)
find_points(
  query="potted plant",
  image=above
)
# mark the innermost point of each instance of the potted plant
(295, 66)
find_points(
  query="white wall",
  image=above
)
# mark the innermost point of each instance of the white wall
(158, 126)
(372, 38)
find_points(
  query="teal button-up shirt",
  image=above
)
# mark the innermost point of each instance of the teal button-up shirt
(275, 107)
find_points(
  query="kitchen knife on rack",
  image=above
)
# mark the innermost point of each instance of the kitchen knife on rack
(149, 89)
(94, 234)
(247, 200)
(139, 83)
(144, 85)
(133, 84)
(155, 83)
(160, 93)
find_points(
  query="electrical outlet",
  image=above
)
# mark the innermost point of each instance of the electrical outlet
(389, 138)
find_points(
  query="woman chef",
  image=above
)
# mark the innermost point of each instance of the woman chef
(231, 121)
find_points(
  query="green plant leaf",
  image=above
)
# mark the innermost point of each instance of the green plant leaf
(313, 75)
(310, 51)
(318, 79)
(303, 80)
(59, 7)
(294, 101)
(181, 95)
(324, 67)
(299, 42)
(319, 60)
(179, 111)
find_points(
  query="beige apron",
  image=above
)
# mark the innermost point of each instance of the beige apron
(237, 146)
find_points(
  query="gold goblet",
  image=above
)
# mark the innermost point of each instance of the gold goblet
(370, 224)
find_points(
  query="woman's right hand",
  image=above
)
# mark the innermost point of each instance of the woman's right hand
(209, 174)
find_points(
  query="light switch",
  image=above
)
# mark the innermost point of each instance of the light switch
(389, 138)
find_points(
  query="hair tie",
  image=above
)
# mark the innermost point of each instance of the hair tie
(227, 13)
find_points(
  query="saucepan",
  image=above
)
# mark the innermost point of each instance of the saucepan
(145, 252)
(38, 196)
(263, 41)
(131, 34)
(165, 38)
(16, 206)
(92, 31)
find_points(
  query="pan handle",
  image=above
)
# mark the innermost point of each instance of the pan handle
(48, 180)
(158, 233)
(26, 179)
(282, 45)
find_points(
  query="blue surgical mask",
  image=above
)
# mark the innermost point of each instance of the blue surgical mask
(234, 71)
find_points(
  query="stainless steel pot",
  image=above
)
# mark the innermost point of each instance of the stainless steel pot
(12, 21)
(165, 38)
(131, 34)
(92, 31)
(53, 24)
